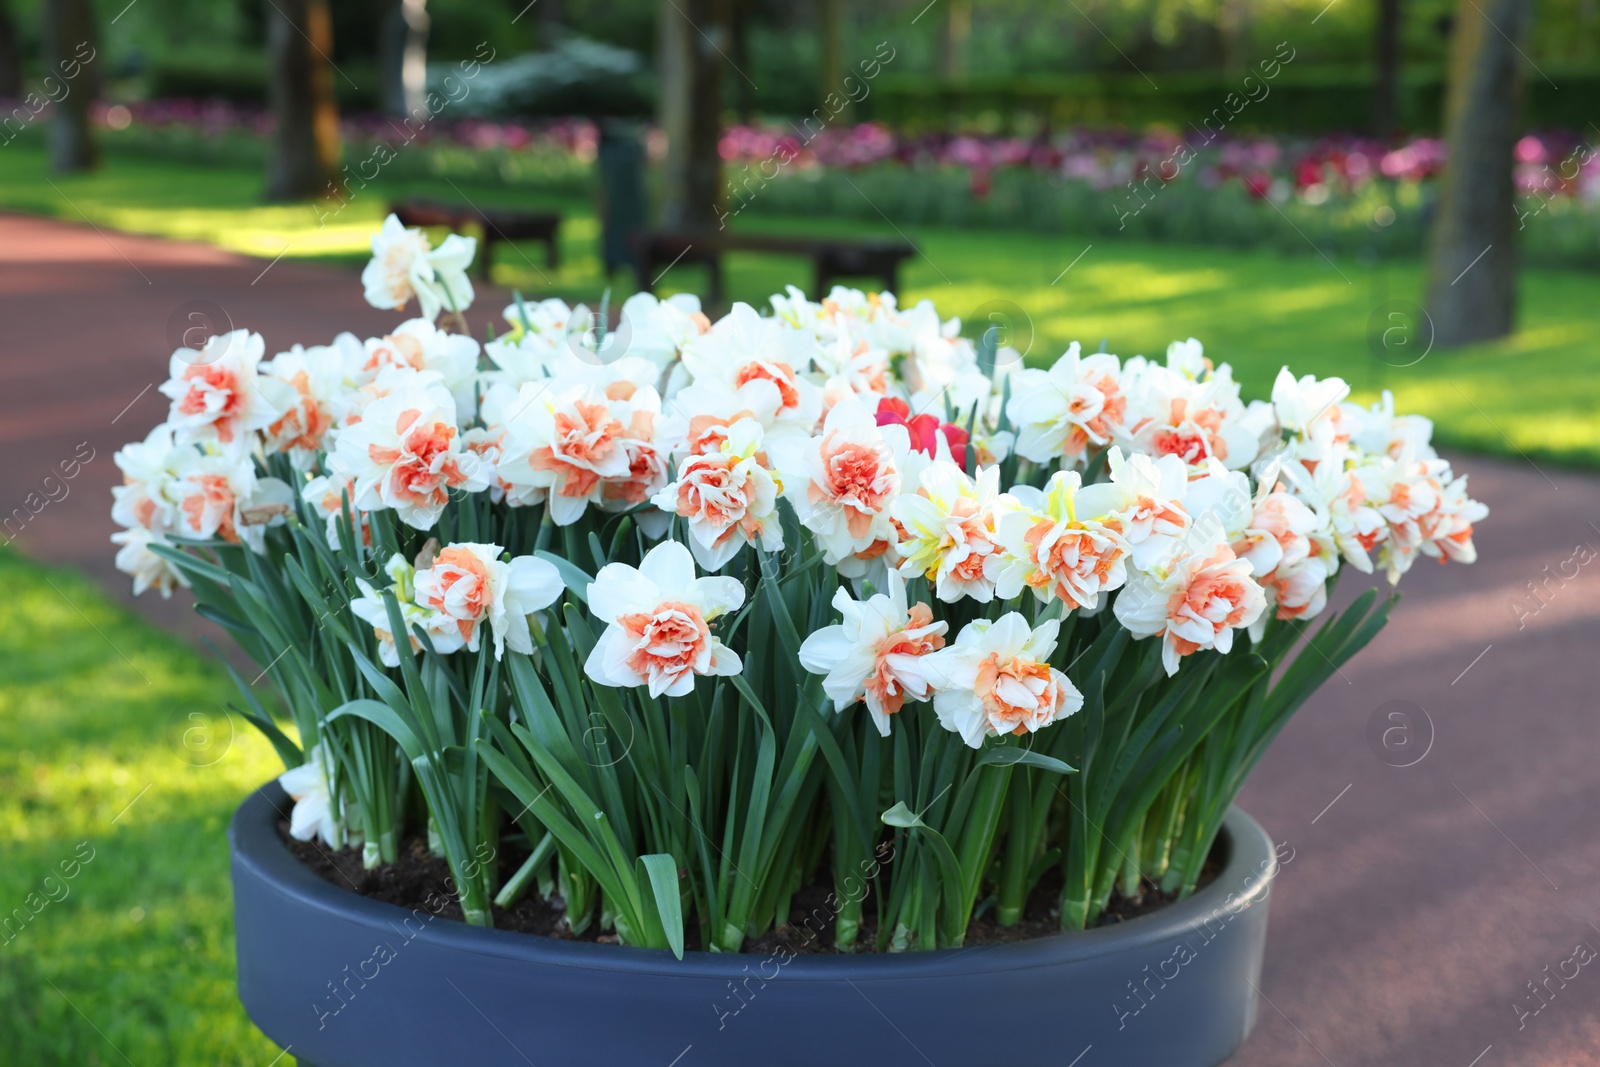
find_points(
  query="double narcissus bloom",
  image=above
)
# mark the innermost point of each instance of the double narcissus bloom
(658, 620)
(846, 432)
(996, 679)
(728, 497)
(1193, 600)
(876, 654)
(405, 265)
(406, 454)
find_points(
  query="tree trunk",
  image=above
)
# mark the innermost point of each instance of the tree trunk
(70, 53)
(10, 55)
(1472, 261)
(744, 92)
(1232, 23)
(404, 50)
(305, 158)
(953, 34)
(1386, 51)
(830, 56)
(692, 31)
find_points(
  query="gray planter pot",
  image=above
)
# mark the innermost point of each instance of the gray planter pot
(343, 981)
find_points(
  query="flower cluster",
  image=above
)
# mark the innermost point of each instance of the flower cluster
(933, 480)
(770, 574)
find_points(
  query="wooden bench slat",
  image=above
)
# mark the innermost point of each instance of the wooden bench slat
(831, 257)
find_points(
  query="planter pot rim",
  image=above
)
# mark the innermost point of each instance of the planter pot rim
(1244, 882)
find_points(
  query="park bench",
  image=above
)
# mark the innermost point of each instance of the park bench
(832, 258)
(496, 224)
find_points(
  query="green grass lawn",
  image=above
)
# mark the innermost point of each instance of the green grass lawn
(1534, 393)
(118, 765)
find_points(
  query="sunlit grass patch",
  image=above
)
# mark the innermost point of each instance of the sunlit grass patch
(119, 769)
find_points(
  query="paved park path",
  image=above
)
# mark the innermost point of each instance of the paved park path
(1420, 901)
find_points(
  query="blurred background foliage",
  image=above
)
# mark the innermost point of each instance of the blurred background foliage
(989, 64)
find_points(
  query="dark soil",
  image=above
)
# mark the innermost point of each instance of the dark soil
(419, 879)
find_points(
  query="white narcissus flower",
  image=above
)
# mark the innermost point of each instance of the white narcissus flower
(842, 481)
(849, 365)
(948, 531)
(406, 454)
(1291, 551)
(1193, 600)
(876, 654)
(1379, 431)
(1319, 472)
(469, 585)
(218, 495)
(148, 570)
(417, 344)
(1150, 508)
(1220, 499)
(326, 495)
(218, 396)
(997, 679)
(151, 470)
(1427, 512)
(728, 497)
(590, 443)
(657, 329)
(1305, 402)
(1064, 542)
(370, 608)
(1065, 412)
(404, 264)
(658, 623)
(757, 362)
(1170, 414)
(307, 786)
(317, 376)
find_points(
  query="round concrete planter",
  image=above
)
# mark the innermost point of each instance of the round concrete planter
(343, 981)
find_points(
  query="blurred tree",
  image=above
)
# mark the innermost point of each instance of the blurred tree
(739, 26)
(1386, 52)
(10, 55)
(830, 64)
(954, 29)
(691, 61)
(403, 54)
(304, 162)
(70, 52)
(1472, 276)
(1233, 27)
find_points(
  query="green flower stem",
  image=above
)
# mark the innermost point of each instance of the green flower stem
(1130, 862)
(517, 885)
(1020, 848)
